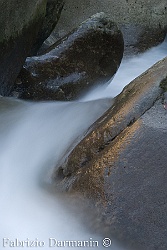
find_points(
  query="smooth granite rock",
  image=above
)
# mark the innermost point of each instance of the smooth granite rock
(143, 22)
(120, 165)
(20, 22)
(53, 11)
(88, 56)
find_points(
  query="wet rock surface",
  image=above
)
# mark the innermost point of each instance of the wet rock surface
(144, 21)
(88, 56)
(19, 24)
(121, 163)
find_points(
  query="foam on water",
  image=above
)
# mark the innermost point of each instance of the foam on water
(37, 138)
(33, 137)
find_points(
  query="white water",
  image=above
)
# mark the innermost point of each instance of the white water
(129, 69)
(33, 137)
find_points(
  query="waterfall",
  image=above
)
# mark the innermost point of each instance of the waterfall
(33, 137)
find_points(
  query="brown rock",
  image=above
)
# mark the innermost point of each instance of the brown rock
(121, 163)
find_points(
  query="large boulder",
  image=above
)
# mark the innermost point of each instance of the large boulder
(24, 25)
(53, 11)
(88, 56)
(19, 25)
(143, 22)
(121, 163)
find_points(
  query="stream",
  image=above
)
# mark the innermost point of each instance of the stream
(33, 137)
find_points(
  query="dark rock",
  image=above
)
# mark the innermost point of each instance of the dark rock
(138, 39)
(19, 25)
(53, 11)
(143, 23)
(88, 56)
(121, 163)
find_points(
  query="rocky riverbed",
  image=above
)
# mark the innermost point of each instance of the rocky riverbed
(121, 162)
(117, 166)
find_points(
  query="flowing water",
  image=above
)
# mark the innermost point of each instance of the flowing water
(33, 137)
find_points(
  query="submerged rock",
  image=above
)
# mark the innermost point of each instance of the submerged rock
(88, 56)
(19, 25)
(121, 163)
